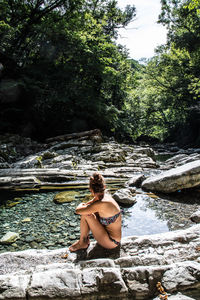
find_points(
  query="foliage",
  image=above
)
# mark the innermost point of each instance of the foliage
(71, 71)
(64, 72)
(168, 90)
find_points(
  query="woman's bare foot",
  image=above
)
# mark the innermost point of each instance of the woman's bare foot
(79, 245)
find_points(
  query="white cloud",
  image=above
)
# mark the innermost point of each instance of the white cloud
(142, 35)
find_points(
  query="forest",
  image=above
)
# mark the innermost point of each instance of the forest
(62, 71)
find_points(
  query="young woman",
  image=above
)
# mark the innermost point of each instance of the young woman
(101, 215)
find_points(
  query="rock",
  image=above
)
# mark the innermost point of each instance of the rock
(48, 155)
(178, 296)
(145, 150)
(11, 204)
(182, 159)
(109, 156)
(30, 239)
(25, 181)
(4, 165)
(135, 180)
(182, 177)
(65, 197)
(180, 276)
(124, 196)
(9, 238)
(14, 287)
(195, 217)
(35, 178)
(32, 161)
(26, 220)
(128, 272)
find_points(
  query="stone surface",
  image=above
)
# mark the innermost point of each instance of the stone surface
(183, 177)
(127, 272)
(64, 197)
(182, 159)
(124, 196)
(61, 163)
(135, 180)
(195, 217)
(9, 238)
(178, 296)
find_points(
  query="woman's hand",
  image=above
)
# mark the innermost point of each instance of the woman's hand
(87, 208)
(90, 202)
(81, 205)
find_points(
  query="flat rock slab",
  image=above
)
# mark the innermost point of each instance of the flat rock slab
(46, 178)
(127, 272)
(186, 176)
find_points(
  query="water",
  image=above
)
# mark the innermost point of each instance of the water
(140, 219)
(43, 224)
(162, 157)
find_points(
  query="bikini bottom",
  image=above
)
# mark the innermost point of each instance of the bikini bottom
(114, 241)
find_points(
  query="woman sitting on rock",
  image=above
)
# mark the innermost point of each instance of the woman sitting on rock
(101, 215)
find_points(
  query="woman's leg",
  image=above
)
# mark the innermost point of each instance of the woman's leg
(84, 239)
(90, 222)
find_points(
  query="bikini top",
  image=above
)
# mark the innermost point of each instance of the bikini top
(109, 220)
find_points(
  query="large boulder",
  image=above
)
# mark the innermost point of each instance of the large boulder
(182, 177)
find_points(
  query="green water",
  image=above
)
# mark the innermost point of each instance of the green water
(43, 224)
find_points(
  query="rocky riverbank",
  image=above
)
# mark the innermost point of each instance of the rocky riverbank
(27, 165)
(129, 272)
(132, 170)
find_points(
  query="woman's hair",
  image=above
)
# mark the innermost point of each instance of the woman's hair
(97, 183)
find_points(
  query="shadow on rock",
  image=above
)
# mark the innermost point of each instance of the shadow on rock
(187, 196)
(97, 251)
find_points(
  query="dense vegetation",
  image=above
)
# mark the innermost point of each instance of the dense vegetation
(169, 88)
(64, 72)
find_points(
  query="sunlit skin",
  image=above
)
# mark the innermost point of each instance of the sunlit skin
(89, 222)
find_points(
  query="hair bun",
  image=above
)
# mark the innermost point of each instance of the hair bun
(97, 183)
(97, 178)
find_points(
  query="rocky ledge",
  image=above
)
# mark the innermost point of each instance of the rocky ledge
(129, 272)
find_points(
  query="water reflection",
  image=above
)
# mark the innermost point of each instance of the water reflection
(141, 219)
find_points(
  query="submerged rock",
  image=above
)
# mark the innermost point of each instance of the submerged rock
(65, 197)
(9, 238)
(26, 220)
(183, 177)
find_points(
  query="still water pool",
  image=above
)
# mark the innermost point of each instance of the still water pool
(43, 224)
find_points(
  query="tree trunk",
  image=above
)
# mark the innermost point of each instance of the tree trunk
(69, 136)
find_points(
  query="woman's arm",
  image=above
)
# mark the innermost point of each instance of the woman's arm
(86, 209)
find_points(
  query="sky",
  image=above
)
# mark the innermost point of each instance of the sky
(143, 34)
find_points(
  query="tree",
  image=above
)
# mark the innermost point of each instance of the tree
(167, 91)
(67, 61)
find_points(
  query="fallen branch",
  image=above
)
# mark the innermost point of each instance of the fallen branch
(70, 136)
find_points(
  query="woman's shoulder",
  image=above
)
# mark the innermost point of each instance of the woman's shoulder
(108, 199)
